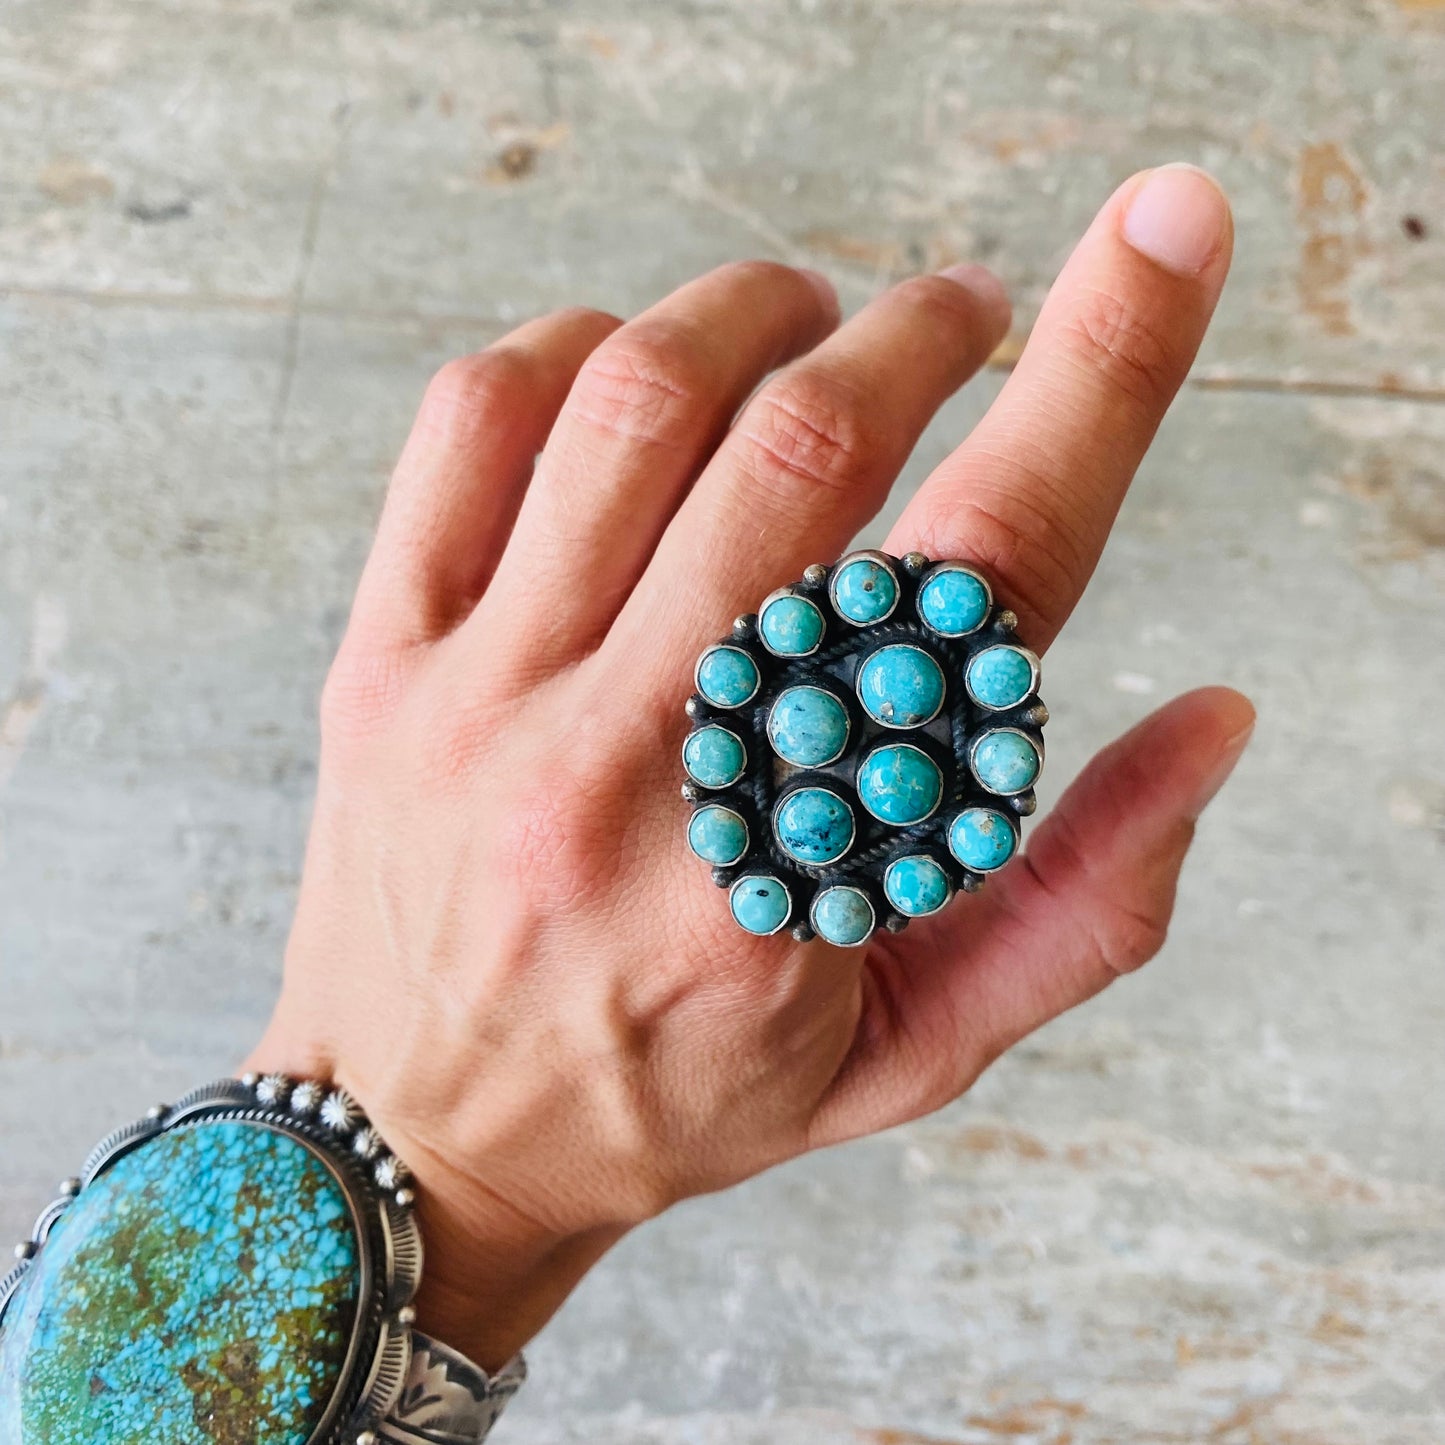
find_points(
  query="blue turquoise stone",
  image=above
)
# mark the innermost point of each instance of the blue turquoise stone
(808, 726)
(899, 784)
(717, 835)
(916, 885)
(982, 839)
(790, 626)
(1005, 761)
(900, 686)
(813, 825)
(201, 1290)
(760, 903)
(714, 757)
(1000, 677)
(727, 676)
(864, 590)
(954, 600)
(842, 915)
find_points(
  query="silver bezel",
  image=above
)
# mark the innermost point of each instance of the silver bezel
(812, 787)
(887, 741)
(732, 733)
(776, 596)
(938, 570)
(908, 857)
(787, 893)
(1035, 675)
(843, 888)
(379, 1351)
(867, 555)
(726, 647)
(1013, 827)
(1036, 743)
(898, 645)
(826, 692)
(723, 807)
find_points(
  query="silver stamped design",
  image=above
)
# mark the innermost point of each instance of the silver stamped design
(447, 1400)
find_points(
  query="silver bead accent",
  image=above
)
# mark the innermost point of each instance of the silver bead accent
(390, 1172)
(406, 1315)
(815, 575)
(272, 1090)
(25, 1250)
(368, 1143)
(915, 563)
(157, 1111)
(405, 1198)
(306, 1097)
(249, 1079)
(69, 1188)
(367, 1437)
(339, 1111)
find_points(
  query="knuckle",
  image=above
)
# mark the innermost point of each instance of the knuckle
(648, 383)
(1115, 338)
(362, 690)
(939, 303)
(808, 430)
(478, 392)
(1027, 546)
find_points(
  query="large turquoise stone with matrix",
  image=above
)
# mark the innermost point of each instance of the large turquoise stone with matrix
(202, 1291)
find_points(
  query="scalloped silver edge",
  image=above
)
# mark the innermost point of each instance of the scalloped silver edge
(389, 1282)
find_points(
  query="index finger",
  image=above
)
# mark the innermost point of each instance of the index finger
(1031, 496)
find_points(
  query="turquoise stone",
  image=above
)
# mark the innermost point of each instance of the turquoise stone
(790, 626)
(864, 590)
(813, 825)
(1005, 761)
(842, 915)
(727, 676)
(1000, 677)
(201, 1291)
(717, 835)
(954, 600)
(916, 885)
(899, 784)
(900, 686)
(714, 757)
(982, 839)
(808, 726)
(760, 903)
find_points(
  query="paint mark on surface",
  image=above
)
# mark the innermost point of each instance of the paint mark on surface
(72, 182)
(27, 700)
(1331, 198)
(1411, 505)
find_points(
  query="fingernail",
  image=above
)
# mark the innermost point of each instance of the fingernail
(827, 292)
(985, 288)
(1219, 775)
(1178, 218)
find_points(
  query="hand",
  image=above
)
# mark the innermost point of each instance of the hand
(502, 946)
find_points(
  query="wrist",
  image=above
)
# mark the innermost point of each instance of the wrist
(492, 1276)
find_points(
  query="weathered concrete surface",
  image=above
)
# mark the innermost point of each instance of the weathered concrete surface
(234, 240)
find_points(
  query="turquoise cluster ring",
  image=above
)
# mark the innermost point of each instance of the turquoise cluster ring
(862, 748)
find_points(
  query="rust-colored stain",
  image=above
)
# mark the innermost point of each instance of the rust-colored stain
(1331, 198)
(884, 255)
(72, 182)
(1411, 505)
(996, 1139)
(1050, 1421)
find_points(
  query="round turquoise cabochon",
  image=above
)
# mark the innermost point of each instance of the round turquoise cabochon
(202, 1290)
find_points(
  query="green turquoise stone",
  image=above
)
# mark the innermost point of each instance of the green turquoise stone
(727, 676)
(814, 826)
(1000, 677)
(790, 626)
(808, 726)
(864, 590)
(717, 835)
(916, 885)
(954, 600)
(714, 757)
(900, 686)
(842, 915)
(202, 1291)
(1005, 761)
(760, 903)
(899, 784)
(982, 839)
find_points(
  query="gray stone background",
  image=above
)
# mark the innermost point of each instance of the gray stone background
(235, 238)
